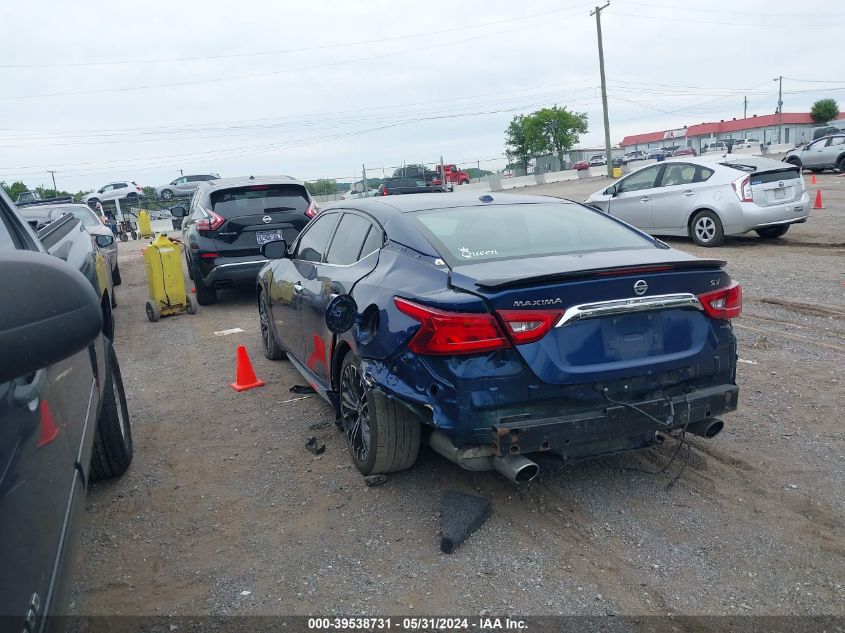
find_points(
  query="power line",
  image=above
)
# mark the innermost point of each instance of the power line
(742, 24)
(758, 14)
(114, 62)
(179, 84)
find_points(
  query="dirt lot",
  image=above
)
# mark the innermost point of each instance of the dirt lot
(223, 498)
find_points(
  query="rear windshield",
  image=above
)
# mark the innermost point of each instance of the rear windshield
(467, 235)
(85, 214)
(254, 199)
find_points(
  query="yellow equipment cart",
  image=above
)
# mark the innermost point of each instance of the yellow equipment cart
(165, 280)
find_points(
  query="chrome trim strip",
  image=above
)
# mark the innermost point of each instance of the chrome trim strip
(251, 262)
(600, 309)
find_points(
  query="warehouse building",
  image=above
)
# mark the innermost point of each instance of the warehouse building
(794, 128)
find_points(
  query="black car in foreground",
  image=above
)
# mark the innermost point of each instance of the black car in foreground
(63, 415)
(229, 219)
(397, 186)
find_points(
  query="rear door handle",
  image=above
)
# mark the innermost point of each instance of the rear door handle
(689, 192)
(645, 198)
(297, 287)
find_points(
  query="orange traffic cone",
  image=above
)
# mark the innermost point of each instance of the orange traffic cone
(818, 203)
(47, 426)
(245, 377)
(813, 179)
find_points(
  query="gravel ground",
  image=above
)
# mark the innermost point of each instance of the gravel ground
(223, 499)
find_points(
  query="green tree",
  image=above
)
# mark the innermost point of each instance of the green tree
(15, 189)
(321, 187)
(555, 130)
(517, 142)
(824, 110)
(149, 192)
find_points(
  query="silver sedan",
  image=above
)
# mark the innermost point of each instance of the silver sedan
(709, 198)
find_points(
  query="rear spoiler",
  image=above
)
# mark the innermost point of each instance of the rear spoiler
(514, 282)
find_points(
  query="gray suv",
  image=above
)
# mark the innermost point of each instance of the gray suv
(825, 153)
(183, 186)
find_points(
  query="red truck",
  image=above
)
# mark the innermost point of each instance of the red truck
(453, 174)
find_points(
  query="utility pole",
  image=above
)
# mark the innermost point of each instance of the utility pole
(745, 108)
(53, 174)
(779, 79)
(364, 171)
(607, 151)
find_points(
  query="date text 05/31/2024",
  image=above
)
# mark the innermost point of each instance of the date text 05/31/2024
(417, 624)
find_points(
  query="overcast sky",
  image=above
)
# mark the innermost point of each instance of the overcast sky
(101, 91)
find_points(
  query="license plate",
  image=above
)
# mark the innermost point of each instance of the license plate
(779, 193)
(262, 237)
(633, 336)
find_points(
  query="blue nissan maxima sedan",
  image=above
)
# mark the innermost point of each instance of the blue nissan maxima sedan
(498, 327)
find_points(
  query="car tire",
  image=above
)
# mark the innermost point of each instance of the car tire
(206, 295)
(383, 436)
(191, 305)
(464, 182)
(706, 229)
(841, 164)
(113, 448)
(772, 232)
(115, 276)
(167, 194)
(133, 198)
(93, 202)
(794, 161)
(124, 237)
(134, 235)
(190, 270)
(272, 349)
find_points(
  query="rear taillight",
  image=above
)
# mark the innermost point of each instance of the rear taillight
(725, 303)
(742, 188)
(385, 192)
(312, 210)
(529, 326)
(448, 333)
(212, 223)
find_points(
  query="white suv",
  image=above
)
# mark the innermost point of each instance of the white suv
(114, 191)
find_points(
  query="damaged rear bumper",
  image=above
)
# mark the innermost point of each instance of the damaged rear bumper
(611, 429)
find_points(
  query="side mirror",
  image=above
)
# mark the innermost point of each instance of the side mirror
(611, 191)
(277, 249)
(104, 240)
(57, 313)
(341, 314)
(101, 190)
(178, 211)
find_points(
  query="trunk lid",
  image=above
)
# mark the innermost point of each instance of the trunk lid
(607, 341)
(776, 186)
(256, 214)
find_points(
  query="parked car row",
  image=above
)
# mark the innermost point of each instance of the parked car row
(64, 420)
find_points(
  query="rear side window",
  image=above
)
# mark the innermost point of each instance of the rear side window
(348, 240)
(467, 235)
(703, 174)
(257, 199)
(315, 238)
(837, 140)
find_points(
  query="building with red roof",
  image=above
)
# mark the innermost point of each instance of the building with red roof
(797, 128)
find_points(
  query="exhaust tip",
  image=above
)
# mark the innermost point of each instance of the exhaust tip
(517, 468)
(714, 429)
(527, 473)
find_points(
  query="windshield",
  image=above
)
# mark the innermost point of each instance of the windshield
(255, 199)
(465, 235)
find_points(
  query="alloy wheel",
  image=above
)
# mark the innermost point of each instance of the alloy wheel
(354, 411)
(705, 229)
(265, 324)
